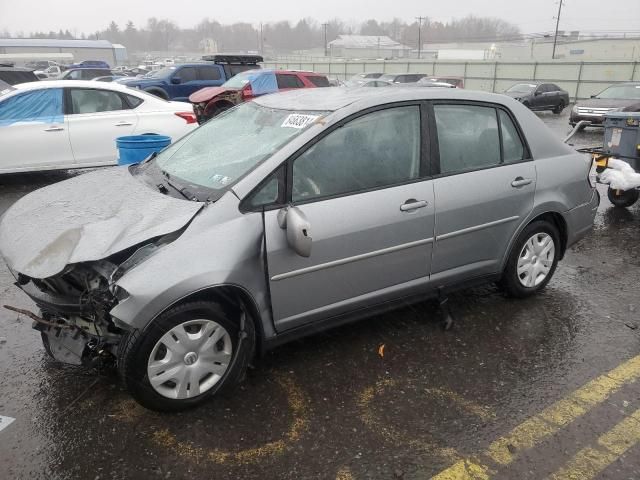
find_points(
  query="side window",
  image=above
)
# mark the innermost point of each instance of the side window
(134, 102)
(209, 73)
(512, 147)
(553, 87)
(288, 81)
(43, 106)
(186, 74)
(75, 75)
(401, 79)
(468, 137)
(378, 149)
(84, 100)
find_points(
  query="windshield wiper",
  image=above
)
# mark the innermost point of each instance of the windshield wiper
(182, 191)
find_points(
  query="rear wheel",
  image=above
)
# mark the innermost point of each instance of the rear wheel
(622, 198)
(559, 108)
(533, 260)
(188, 354)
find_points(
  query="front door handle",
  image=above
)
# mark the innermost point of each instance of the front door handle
(521, 182)
(54, 128)
(413, 204)
(124, 124)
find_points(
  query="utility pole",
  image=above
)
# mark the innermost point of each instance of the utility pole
(325, 25)
(420, 19)
(555, 37)
(261, 43)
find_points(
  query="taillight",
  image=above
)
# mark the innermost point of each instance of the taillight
(188, 117)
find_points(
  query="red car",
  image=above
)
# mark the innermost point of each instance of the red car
(211, 101)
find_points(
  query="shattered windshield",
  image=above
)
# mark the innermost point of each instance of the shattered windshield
(222, 150)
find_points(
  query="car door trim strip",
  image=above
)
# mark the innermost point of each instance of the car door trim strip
(476, 228)
(355, 258)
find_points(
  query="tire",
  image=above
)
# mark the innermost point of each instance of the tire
(622, 198)
(559, 108)
(142, 353)
(158, 93)
(514, 283)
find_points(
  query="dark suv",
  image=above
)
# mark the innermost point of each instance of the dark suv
(540, 96)
(177, 82)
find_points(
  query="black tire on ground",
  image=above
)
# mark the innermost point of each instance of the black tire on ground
(559, 108)
(510, 281)
(136, 347)
(623, 198)
(158, 93)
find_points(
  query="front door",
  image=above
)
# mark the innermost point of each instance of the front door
(33, 132)
(484, 192)
(364, 190)
(96, 118)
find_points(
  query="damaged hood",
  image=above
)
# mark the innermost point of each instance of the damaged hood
(86, 218)
(206, 94)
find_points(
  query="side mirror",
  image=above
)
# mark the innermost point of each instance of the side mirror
(537, 92)
(176, 80)
(593, 96)
(298, 230)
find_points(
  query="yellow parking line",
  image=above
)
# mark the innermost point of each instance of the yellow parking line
(532, 431)
(590, 461)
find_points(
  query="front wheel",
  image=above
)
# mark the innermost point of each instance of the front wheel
(532, 261)
(188, 354)
(559, 108)
(622, 198)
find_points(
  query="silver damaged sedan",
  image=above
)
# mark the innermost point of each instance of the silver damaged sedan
(288, 214)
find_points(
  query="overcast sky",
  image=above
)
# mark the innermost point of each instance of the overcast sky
(530, 15)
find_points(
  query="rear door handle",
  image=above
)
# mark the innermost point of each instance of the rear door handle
(54, 128)
(124, 124)
(521, 182)
(413, 204)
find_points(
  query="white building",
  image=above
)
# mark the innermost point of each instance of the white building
(367, 46)
(569, 47)
(45, 49)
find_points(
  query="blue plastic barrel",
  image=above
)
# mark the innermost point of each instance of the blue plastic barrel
(135, 148)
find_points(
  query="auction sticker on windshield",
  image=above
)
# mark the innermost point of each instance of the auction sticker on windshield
(616, 135)
(297, 120)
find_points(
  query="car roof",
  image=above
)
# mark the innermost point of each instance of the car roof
(72, 83)
(335, 98)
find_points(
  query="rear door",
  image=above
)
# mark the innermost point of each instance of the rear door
(484, 191)
(33, 131)
(209, 76)
(365, 192)
(96, 117)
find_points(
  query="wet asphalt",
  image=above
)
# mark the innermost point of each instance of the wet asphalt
(337, 405)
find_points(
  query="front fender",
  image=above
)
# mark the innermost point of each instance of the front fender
(212, 251)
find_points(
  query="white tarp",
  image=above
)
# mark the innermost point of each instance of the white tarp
(620, 175)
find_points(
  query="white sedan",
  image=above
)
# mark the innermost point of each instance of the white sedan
(74, 124)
